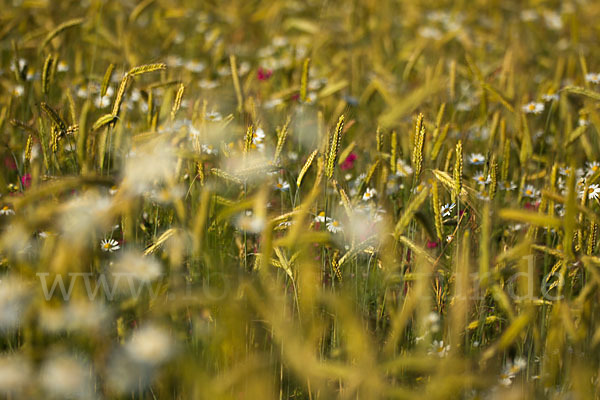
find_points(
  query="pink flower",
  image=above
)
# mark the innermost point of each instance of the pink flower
(431, 245)
(263, 74)
(26, 180)
(348, 163)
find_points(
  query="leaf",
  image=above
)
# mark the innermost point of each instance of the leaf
(529, 217)
(511, 333)
(104, 120)
(409, 212)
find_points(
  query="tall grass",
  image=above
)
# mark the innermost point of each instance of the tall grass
(275, 199)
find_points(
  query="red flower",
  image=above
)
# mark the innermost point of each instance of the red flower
(530, 206)
(348, 163)
(263, 74)
(431, 245)
(26, 180)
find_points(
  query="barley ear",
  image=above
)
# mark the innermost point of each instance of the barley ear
(106, 79)
(248, 139)
(458, 170)
(304, 80)
(46, 73)
(306, 166)
(334, 147)
(494, 178)
(281, 138)
(177, 102)
(394, 152)
(437, 212)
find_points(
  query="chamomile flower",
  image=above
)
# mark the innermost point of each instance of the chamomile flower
(258, 139)
(481, 178)
(508, 186)
(438, 349)
(530, 191)
(208, 84)
(109, 245)
(369, 194)
(321, 217)
(511, 369)
(208, 149)
(334, 226)
(476, 158)
(213, 116)
(550, 97)
(419, 188)
(403, 169)
(592, 77)
(593, 192)
(446, 209)
(592, 167)
(533, 108)
(282, 185)
(18, 91)
(565, 171)
(62, 66)
(195, 66)
(6, 210)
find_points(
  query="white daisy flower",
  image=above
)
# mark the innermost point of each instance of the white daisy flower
(62, 66)
(18, 91)
(533, 108)
(109, 245)
(102, 102)
(593, 192)
(446, 209)
(592, 77)
(208, 84)
(419, 187)
(282, 185)
(403, 169)
(550, 97)
(511, 369)
(508, 186)
(476, 158)
(438, 348)
(530, 191)
(258, 138)
(481, 178)
(195, 66)
(592, 167)
(150, 345)
(6, 210)
(565, 171)
(214, 116)
(208, 149)
(334, 226)
(369, 194)
(321, 217)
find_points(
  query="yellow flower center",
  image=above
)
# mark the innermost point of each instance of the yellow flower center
(531, 107)
(336, 224)
(322, 214)
(279, 185)
(528, 192)
(107, 245)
